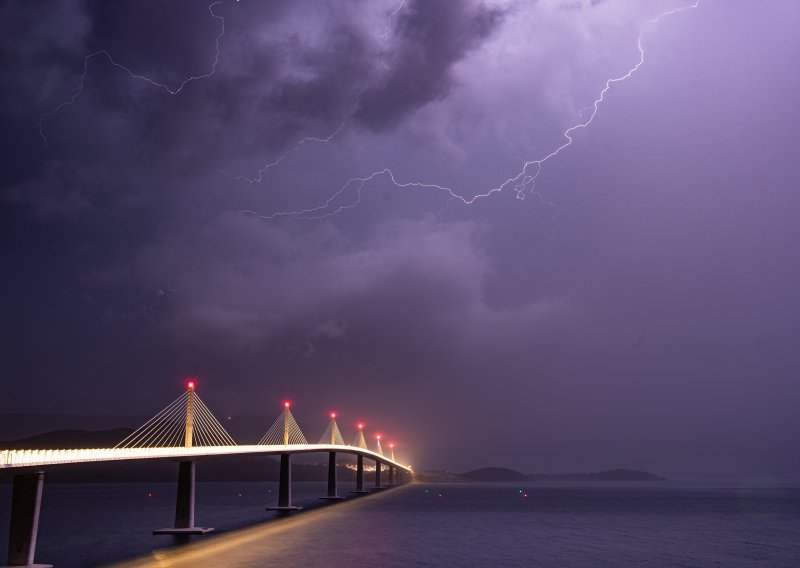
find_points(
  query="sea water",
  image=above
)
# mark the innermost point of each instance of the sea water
(470, 525)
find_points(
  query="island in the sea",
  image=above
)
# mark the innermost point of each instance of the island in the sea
(505, 475)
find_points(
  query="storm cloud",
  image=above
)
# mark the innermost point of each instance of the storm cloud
(634, 307)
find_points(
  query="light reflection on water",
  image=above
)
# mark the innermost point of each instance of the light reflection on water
(434, 525)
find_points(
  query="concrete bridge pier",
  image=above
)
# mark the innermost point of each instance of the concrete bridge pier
(184, 503)
(285, 486)
(378, 485)
(360, 475)
(392, 475)
(332, 495)
(26, 502)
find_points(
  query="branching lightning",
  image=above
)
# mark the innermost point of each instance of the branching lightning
(134, 75)
(522, 184)
(394, 12)
(260, 174)
(259, 177)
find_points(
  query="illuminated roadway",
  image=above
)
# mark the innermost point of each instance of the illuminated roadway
(18, 459)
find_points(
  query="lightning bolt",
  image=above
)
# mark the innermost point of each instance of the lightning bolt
(388, 30)
(393, 13)
(259, 177)
(263, 170)
(522, 184)
(133, 75)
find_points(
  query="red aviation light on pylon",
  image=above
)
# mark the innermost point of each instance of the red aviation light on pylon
(190, 384)
(333, 415)
(360, 426)
(378, 436)
(391, 445)
(286, 404)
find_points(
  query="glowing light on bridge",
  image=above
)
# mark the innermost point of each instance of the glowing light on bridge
(285, 430)
(359, 440)
(332, 434)
(185, 422)
(164, 437)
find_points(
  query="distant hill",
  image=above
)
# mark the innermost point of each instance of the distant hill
(608, 475)
(494, 475)
(69, 440)
(502, 474)
(15, 426)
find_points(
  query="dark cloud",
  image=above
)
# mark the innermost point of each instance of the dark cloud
(430, 38)
(166, 42)
(240, 283)
(637, 308)
(40, 45)
(59, 193)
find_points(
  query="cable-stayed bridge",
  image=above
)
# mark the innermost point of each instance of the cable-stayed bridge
(185, 431)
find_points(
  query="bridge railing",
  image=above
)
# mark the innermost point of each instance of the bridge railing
(33, 458)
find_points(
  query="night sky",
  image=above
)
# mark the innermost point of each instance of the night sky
(635, 305)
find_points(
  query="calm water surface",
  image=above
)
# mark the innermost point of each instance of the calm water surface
(564, 525)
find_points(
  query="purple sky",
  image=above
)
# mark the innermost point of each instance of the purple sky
(638, 306)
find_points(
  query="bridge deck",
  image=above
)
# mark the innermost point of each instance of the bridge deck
(18, 459)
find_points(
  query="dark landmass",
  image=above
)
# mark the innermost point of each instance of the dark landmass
(501, 475)
(69, 439)
(437, 476)
(608, 475)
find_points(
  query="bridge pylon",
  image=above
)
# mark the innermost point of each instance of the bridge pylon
(284, 432)
(359, 440)
(378, 464)
(189, 430)
(186, 422)
(392, 469)
(332, 436)
(184, 501)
